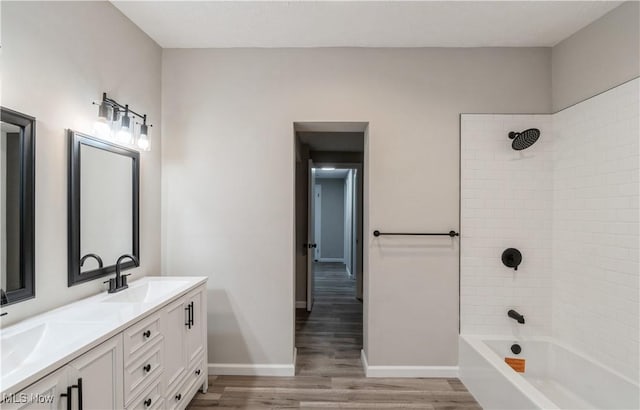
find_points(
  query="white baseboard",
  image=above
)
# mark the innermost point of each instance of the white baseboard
(407, 371)
(363, 359)
(301, 304)
(341, 260)
(238, 369)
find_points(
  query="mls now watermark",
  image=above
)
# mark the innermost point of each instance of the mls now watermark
(27, 398)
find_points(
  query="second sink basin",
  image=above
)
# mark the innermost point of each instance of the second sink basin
(38, 343)
(146, 292)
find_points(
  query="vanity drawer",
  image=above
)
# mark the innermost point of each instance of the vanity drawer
(140, 335)
(195, 377)
(140, 372)
(150, 399)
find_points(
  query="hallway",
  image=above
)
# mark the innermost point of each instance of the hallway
(329, 371)
(329, 338)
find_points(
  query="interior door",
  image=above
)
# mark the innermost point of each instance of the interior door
(317, 214)
(310, 234)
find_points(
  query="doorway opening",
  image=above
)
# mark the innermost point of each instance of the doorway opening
(329, 252)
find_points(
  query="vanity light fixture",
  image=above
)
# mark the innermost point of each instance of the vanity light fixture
(143, 139)
(101, 127)
(116, 122)
(125, 135)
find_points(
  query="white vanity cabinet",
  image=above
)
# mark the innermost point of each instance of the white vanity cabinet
(91, 382)
(98, 377)
(185, 336)
(155, 360)
(44, 394)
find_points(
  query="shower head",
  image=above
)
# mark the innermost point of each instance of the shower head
(525, 139)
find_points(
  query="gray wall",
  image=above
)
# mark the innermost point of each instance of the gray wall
(332, 218)
(58, 57)
(218, 102)
(602, 55)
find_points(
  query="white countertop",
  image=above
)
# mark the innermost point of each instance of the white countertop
(35, 347)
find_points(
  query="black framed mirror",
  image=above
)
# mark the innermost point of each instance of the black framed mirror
(104, 182)
(17, 206)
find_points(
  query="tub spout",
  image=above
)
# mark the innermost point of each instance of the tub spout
(516, 316)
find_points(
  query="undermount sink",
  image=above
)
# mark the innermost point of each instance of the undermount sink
(146, 292)
(34, 344)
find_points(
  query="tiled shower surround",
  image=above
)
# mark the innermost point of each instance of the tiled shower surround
(507, 199)
(569, 203)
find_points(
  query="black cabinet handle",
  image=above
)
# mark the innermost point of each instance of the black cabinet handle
(147, 368)
(188, 309)
(147, 334)
(147, 403)
(192, 314)
(178, 397)
(198, 372)
(79, 387)
(67, 395)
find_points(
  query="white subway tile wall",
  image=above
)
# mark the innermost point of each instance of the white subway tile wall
(596, 268)
(506, 203)
(570, 203)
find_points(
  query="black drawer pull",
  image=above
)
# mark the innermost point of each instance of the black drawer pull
(147, 403)
(147, 368)
(147, 334)
(198, 372)
(67, 395)
(79, 387)
(178, 397)
(189, 322)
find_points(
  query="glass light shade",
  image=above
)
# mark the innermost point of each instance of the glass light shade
(125, 135)
(102, 128)
(143, 140)
(115, 122)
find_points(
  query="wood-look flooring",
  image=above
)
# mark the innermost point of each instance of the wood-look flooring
(329, 372)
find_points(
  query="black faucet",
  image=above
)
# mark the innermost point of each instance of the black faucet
(91, 255)
(120, 281)
(516, 316)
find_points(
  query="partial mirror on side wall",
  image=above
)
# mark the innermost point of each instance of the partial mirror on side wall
(103, 207)
(17, 206)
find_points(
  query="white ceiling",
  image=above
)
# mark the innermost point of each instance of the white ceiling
(221, 24)
(331, 173)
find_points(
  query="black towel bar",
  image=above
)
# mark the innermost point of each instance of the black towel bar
(450, 233)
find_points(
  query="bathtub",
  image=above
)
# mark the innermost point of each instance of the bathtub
(555, 377)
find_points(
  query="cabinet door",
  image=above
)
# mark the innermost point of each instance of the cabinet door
(98, 375)
(175, 319)
(195, 332)
(44, 394)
